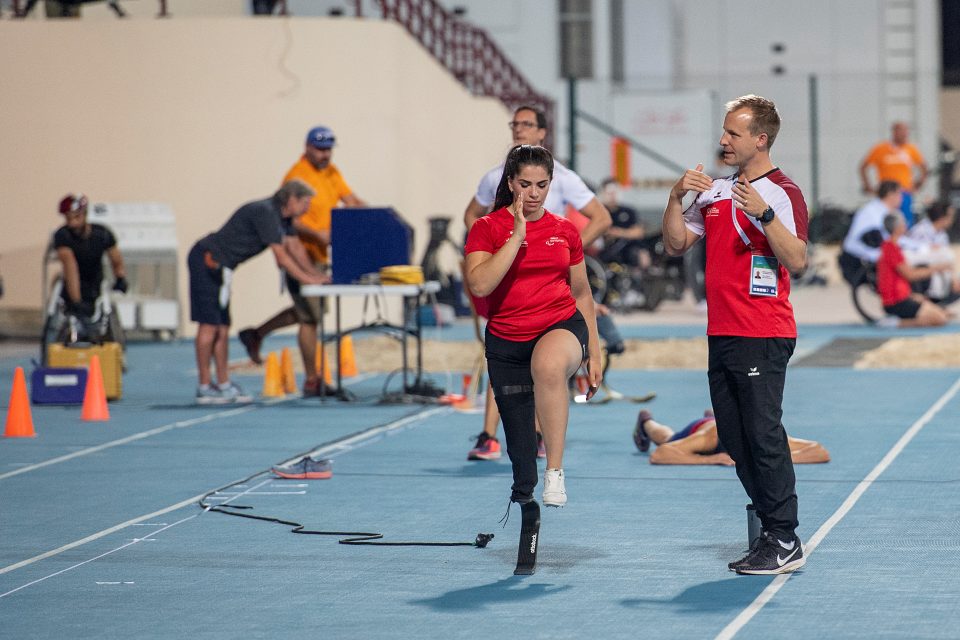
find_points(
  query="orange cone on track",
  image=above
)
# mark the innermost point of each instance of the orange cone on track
(348, 363)
(273, 378)
(94, 397)
(323, 363)
(19, 419)
(286, 370)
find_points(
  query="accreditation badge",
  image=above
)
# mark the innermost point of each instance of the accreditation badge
(763, 276)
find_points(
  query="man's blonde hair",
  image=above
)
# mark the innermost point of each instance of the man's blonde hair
(765, 117)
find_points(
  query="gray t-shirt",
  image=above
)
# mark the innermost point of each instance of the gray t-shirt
(254, 227)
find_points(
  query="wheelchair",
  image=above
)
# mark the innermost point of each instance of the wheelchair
(861, 275)
(69, 327)
(624, 286)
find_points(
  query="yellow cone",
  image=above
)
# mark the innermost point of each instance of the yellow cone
(323, 364)
(286, 370)
(348, 363)
(272, 380)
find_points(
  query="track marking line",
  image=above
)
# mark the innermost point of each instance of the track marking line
(356, 441)
(180, 424)
(152, 432)
(89, 560)
(767, 594)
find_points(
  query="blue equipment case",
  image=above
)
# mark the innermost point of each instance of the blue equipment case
(58, 385)
(365, 239)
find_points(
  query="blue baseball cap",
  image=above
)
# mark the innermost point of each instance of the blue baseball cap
(321, 138)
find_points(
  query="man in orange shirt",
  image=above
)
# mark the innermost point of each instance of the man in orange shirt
(316, 169)
(898, 160)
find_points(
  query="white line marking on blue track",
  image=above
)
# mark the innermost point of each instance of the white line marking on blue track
(366, 437)
(89, 560)
(181, 424)
(767, 594)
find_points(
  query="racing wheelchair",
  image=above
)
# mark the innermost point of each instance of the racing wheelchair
(67, 325)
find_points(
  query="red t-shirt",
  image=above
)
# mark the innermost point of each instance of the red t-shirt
(891, 286)
(732, 310)
(535, 292)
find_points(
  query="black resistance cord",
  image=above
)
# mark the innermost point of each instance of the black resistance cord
(349, 537)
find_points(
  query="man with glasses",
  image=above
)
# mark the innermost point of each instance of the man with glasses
(316, 169)
(529, 126)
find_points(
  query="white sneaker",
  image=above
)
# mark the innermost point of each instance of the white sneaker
(554, 493)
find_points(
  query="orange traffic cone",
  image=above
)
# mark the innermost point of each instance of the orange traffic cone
(348, 363)
(323, 364)
(94, 397)
(19, 420)
(286, 370)
(272, 379)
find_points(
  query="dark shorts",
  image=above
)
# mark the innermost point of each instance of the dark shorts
(206, 279)
(906, 309)
(513, 353)
(692, 428)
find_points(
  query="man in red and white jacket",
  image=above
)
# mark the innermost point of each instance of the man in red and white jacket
(755, 226)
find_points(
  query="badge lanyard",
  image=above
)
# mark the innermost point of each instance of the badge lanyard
(763, 269)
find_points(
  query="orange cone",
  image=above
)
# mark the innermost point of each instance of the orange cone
(348, 363)
(286, 370)
(272, 379)
(94, 397)
(19, 420)
(323, 364)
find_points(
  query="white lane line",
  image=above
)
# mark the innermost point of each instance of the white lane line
(100, 534)
(767, 594)
(89, 560)
(371, 435)
(260, 493)
(181, 424)
(357, 441)
(152, 432)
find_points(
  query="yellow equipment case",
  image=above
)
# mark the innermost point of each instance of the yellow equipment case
(111, 363)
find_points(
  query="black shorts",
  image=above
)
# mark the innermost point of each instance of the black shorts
(205, 283)
(510, 352)
(906, 309)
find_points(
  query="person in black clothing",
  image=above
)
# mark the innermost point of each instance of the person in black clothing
(623, 240)
(80, 247)
(254, 227)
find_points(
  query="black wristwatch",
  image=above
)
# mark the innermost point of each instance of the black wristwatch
(767, 216)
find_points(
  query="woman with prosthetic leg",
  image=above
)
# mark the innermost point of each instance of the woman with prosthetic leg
(528, 264)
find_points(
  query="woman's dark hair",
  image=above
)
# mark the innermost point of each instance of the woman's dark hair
(520, 156)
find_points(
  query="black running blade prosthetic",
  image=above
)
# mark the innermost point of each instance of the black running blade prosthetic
(529, 532)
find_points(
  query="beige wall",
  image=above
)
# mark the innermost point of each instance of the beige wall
(208, 113)
(950, 115)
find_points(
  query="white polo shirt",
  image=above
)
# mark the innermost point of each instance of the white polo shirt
(566, 188)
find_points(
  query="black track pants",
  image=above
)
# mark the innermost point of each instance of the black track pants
(746, 387)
